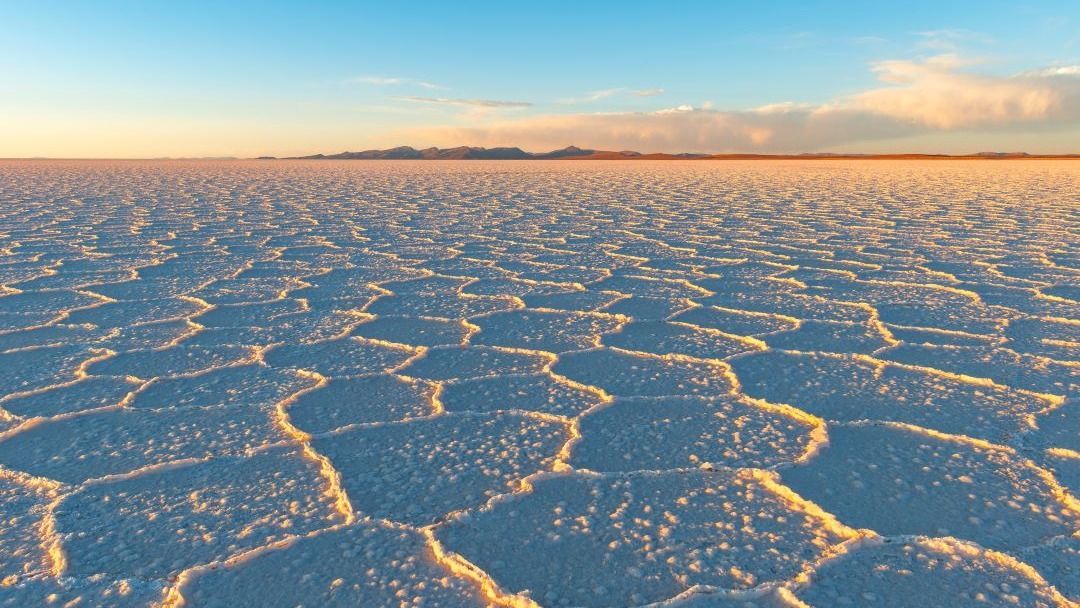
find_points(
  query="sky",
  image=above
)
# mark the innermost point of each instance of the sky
(155, 79)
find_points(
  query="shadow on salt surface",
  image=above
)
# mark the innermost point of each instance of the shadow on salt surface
(767, 598)
(364, 564)
(46, 304)
(626, 374)
(158, 523)
(1064, 464)
(317, 325)
(446, 306)
(998, 364)
(581, 301)
(533, 392)
(547, 331)
(420, 471)
(52, 335)
(426, 286)
(258, 314)
(187, 276)
(688, 433)
(174, 361)
(845, 389)
(449, 363)
(930, 572)
(344, 401)
(736, 321)
(340, 357)
(160, 334)
(349, 299)
(922, 335)
(916, 305)
(1052, 338)
(1059, 563)
(247, 290)
(83, 281)
(511, 287)
(794, 305)
(617, 541)
(934, 486)
(1059, 428)
(244, 385)
(1067, 290)
(825, 336)
(88, 393)
(233, 336)
(97, 592)
(22, 507)
(124, 314)
(721, 276)
(650, 287)
(143, 289)
(1025, 300)
(948, 315)
(351, 283)
(465, 267)
(648, 309)
(36, 368)
(73, 450)
(663, 338)
(20, 321)
(413, 331)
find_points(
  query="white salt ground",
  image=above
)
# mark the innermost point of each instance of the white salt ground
(676, 385)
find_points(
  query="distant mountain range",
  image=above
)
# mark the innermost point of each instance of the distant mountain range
(576, 153)
(474, 153)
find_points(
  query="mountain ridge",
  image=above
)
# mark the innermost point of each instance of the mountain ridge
(575, 153)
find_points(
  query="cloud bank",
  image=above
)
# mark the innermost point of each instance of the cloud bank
(915, 98)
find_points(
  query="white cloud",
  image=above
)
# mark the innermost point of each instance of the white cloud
(477, 103)
(602, 94)
(1061, 70)
(782, 108)
(950, 39)
(915, 98)
(934, 94)
(648, 92)
(392, 81)
(598, 95)
(676, 110)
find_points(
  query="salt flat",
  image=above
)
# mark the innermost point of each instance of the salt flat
(782, 383)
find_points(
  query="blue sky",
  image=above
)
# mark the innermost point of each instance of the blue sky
(171, 78)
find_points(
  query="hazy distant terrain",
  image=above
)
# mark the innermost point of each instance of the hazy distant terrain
(271, 383)
(576, 153)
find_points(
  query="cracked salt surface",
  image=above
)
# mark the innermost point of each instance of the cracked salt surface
(493, 383)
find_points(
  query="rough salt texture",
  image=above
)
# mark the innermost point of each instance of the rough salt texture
(626, 541)
(361, 565)
(539, 384)
(941, 572)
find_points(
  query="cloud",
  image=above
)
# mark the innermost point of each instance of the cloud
(594, 96)
(950, 39)
(648, 92)
(933, 94)
(914, 98)
(602, 94)
(1062, 70)
(392, 80)
(476, 103)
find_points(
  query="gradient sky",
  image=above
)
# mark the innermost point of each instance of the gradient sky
(148, 79)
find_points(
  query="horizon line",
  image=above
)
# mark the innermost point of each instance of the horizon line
(590, 157)
(569, 152)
